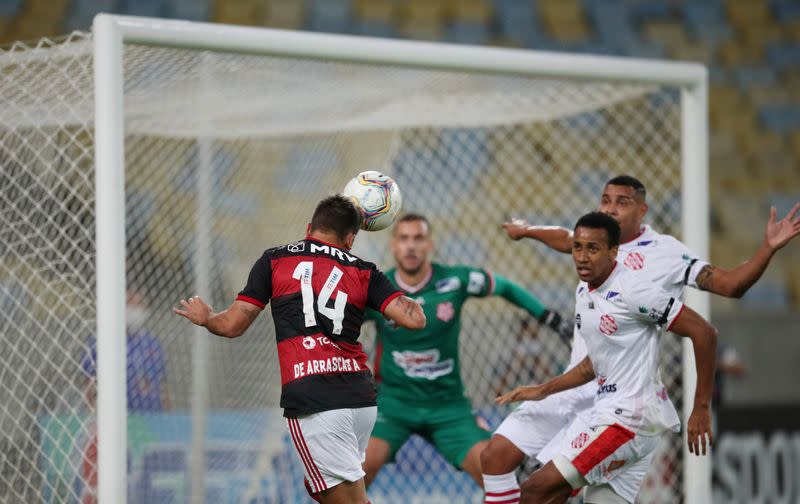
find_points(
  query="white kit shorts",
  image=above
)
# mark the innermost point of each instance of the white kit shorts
(332, 445)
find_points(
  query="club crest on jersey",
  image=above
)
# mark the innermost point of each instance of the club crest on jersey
(580, 440)
(634, 261)
(296, 247)
(608, 325)
(447, 285)
(445, 311)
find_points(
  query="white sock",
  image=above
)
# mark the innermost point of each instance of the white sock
(501, 488)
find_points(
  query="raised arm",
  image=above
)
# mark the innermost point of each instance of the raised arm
(518, 295)
(406, 313)
(555, 237)
(230, 323)
(737, 281)
(704, 341)
(575, 377)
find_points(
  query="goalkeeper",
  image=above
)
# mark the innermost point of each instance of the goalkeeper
(420, 389)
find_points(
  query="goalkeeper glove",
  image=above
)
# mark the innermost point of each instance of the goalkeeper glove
(556, 322)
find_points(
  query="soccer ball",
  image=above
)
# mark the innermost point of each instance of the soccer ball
(377, 198)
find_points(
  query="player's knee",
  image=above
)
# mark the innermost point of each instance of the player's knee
(489, 457)
(500, 456)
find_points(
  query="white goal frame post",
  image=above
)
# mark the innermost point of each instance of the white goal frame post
(111, 32)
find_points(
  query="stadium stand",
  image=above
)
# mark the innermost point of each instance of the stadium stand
(752, 49)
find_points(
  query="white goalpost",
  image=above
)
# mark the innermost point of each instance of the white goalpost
(209, 143)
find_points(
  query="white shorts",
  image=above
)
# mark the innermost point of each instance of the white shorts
(535, 423)
(332, 445)
(606, 454)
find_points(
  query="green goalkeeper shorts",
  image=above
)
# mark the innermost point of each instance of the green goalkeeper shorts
(450, 427)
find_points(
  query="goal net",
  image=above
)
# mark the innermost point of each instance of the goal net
(226, 154)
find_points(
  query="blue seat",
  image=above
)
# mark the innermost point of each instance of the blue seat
(748, 77)
(468, 32)
(780, 118)
(151, 8)
(334, 16)
(784, 56)
(519, 21)
(10, 8)
(698, 15)
(191, 10)
(82, 12)
(612, 23)
(651, 10)
(641, 49)
(785, 10)
(375, 29)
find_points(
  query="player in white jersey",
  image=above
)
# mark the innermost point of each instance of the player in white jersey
(621, 319)
(656, 258)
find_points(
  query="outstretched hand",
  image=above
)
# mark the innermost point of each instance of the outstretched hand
(523, 393)
(516, 228)
(195, 309)
(779, 232)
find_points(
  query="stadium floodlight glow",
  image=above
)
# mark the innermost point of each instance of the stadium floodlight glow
(208, 143)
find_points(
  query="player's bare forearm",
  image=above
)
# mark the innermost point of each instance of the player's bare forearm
(734, 283)
(691, 325)
(229, 323)
(406, 312)
(575, 377)
(582, 373)
(555, 237)
(704, 342)
(737, 281)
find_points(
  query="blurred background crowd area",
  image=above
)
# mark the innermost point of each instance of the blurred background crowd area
(751, 48)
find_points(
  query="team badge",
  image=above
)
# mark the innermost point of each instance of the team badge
(608, 325)
(445, 311)
(634, 261)
(580, 440)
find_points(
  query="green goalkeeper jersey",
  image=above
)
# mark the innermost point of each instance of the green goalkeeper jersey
(422, 367)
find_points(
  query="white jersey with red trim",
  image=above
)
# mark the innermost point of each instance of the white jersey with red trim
(657, 259)
(621, 322)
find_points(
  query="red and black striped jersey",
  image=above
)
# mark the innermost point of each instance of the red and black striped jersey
(319, 293)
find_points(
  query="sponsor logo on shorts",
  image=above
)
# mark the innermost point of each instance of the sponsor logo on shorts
(634, 261)
(445, 311)
(608, 325)
(423, 364)
(613, 466)
(580, 440)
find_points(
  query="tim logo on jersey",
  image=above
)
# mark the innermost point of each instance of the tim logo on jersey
(604, 388)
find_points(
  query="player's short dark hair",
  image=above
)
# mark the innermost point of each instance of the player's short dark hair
(599, 220)
(628, 181)
(414, 217)
(336, 214)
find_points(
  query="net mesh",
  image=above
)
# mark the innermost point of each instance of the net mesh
(226, 155)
